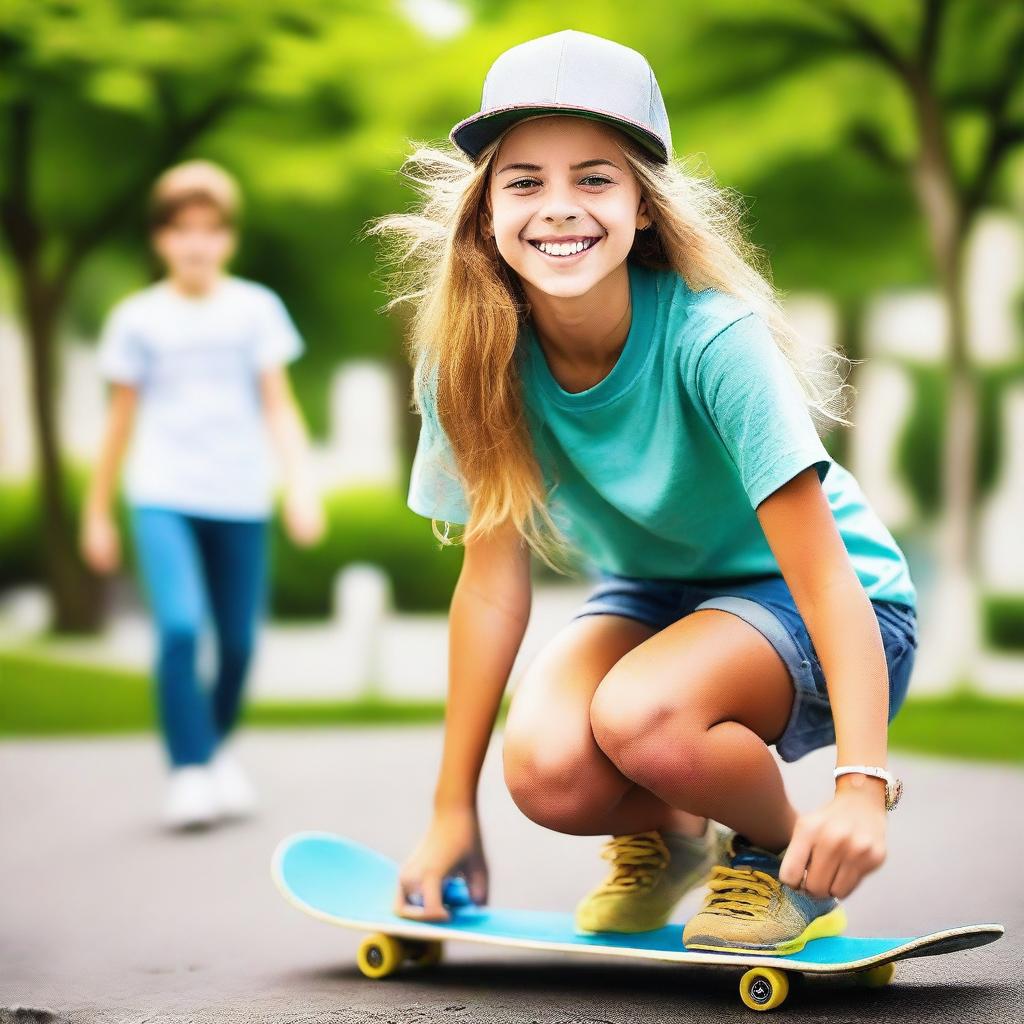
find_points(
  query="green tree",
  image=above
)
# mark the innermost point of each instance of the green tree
(957, 71)
(97, 98)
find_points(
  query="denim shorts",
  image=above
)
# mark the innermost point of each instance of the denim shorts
(766, 603)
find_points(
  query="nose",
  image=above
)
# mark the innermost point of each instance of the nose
(560, 215)
(560, 206)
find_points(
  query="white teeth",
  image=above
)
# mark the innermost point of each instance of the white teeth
(564, 248)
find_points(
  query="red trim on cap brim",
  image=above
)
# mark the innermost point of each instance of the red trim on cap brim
(659, 148)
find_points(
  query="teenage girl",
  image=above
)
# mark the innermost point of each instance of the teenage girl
(197, 367)
(601, 369)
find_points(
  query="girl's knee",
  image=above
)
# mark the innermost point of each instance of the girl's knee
(549, 781)
(650, 741)
(622, 718)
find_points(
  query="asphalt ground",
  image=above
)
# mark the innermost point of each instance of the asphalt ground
(104, 917)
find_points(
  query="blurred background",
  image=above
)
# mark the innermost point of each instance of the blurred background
(880, 150)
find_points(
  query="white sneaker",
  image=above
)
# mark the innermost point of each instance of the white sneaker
(234, 793)
(191, 800)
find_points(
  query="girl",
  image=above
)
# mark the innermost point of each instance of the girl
(198, 359)
(602, 371)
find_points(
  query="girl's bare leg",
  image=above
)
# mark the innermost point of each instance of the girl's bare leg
(557, 774)
(688, 716)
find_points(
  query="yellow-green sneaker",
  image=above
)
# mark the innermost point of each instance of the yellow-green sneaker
(651, 872)
(749, 910)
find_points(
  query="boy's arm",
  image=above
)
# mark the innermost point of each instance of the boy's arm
(303, 513)
(99, 541)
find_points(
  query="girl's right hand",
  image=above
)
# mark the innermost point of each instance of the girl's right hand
(101, 546)
(452, 843)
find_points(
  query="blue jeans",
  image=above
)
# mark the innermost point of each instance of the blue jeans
(766, 603)
(192, 568)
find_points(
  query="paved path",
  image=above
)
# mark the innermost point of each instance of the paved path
(104, 918)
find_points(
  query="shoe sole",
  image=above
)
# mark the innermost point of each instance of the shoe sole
(828, 925)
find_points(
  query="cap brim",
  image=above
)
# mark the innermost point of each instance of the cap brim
(474, 133)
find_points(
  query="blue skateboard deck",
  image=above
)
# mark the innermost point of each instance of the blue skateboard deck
(348, 884)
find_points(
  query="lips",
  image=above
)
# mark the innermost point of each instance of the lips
(562, 248)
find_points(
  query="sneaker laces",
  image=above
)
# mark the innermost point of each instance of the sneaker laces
(637, 859)
(740, 892)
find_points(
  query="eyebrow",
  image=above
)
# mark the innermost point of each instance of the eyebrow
(575, 167)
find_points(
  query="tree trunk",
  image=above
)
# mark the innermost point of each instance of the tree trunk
(75, 592)
(945, 221)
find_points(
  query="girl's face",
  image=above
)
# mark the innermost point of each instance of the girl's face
(196, 245)
(564, 204)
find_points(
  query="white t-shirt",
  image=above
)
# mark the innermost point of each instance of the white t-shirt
(200, 442)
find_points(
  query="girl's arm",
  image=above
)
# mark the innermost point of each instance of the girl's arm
(99, 541)
(303, 514)
(489, 612)
(844, 841)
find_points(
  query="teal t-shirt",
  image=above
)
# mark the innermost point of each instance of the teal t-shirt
(656, 470)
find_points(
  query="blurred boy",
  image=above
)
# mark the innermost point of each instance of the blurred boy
(197, 367)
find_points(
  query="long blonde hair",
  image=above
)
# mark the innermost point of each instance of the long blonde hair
(469, 307)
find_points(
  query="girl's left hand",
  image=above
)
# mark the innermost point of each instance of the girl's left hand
(837, 845)
(303, 516)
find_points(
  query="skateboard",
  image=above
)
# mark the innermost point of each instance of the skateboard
(347, 884)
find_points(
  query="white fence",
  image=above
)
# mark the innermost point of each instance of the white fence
(362, 446)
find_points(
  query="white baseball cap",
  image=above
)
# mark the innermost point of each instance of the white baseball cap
(571, 73)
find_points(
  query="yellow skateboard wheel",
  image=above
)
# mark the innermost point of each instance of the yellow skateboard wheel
(876, 977)
(424, 954)
(380, 955)
(764, 988)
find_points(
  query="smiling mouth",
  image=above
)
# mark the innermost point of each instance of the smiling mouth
(563, 249)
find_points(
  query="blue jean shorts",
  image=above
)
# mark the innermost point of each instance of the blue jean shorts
(766, 603)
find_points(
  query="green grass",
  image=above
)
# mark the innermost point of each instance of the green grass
(41, 696)
(45, 697)
(962, 724)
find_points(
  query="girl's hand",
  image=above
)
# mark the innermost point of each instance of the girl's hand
(101, 546)
(839, 844)
(452, 843)
(303, 516)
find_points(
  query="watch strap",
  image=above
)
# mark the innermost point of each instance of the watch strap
(893, 785)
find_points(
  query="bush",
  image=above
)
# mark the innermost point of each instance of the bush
(364, 525)
(919, 448)
(1003, 619)
(21, 516)
(20, 546)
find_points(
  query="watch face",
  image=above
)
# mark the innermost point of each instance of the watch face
(893, 793)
